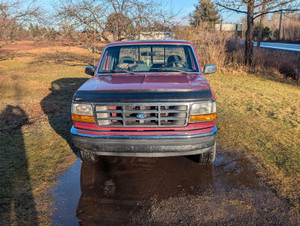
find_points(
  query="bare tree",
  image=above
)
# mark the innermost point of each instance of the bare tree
(13, 14)
(291, 27)
(254, 9)
(110, 19)
(120, 26)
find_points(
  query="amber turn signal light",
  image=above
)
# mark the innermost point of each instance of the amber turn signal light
(201, 118)
(83, 118)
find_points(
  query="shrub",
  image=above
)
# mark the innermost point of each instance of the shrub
(210, 45)
(226, 51)
(284, 62)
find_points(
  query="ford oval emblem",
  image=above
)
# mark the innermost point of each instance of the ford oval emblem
(141, 116)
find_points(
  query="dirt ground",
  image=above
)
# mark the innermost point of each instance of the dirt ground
(175, 190)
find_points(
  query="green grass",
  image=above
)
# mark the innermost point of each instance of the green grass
(261, 118)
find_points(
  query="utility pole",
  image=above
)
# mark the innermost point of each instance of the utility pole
(249, 34)
(280, 19)
(261, 26)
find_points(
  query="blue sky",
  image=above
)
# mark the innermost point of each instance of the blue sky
(188, 6)
(184, 7)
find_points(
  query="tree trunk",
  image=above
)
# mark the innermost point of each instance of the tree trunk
(119, 38)
(280, 20)
(249, 34)
(261, 26)
(104, 37)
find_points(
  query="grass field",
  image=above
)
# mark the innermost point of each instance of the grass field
(260, 117)
(36, 88)
(256, 115)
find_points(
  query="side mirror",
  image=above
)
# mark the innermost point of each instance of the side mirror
(209, 69)
(90, 70)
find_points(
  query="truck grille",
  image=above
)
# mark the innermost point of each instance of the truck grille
(142, 115)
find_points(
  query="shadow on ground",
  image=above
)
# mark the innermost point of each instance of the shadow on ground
(17, 204)
(176, 190)
(57, 106)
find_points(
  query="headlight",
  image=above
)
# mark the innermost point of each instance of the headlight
(205, 111)
(204, 108)
(82, 113)
(82, 109)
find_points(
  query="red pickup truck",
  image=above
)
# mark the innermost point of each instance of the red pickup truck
(146, 99)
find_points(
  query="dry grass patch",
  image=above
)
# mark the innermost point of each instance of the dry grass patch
(35, 123)
(261, 118)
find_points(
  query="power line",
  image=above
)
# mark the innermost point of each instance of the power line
(228, 16)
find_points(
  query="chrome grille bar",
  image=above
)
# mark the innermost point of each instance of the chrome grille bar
(151, 114)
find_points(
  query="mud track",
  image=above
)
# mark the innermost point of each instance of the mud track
(168, 191)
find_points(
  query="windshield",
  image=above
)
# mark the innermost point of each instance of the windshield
(148, 58)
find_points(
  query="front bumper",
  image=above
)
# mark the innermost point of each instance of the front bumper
(145, 146)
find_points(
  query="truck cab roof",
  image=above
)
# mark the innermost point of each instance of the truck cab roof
(142, 42)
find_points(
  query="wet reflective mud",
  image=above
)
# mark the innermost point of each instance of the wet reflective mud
(172, 190)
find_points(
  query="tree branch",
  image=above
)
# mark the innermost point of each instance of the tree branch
(263, 2)
(232, 9)
(277, 11)
(273, 7)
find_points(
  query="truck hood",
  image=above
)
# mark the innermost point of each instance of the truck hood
(144, 88)
(146, 82)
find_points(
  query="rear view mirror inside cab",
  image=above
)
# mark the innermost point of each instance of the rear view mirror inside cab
(147, 53)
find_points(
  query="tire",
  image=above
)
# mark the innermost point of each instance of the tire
(87, 156)
(207, 157)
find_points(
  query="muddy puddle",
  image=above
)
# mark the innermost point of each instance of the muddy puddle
(173, 190)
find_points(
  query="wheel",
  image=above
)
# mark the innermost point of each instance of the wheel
(207, 157)
(87, 156)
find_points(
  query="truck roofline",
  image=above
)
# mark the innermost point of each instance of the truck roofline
(137, 42)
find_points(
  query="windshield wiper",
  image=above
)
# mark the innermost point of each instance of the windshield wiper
(119, 71)
(170, 69)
